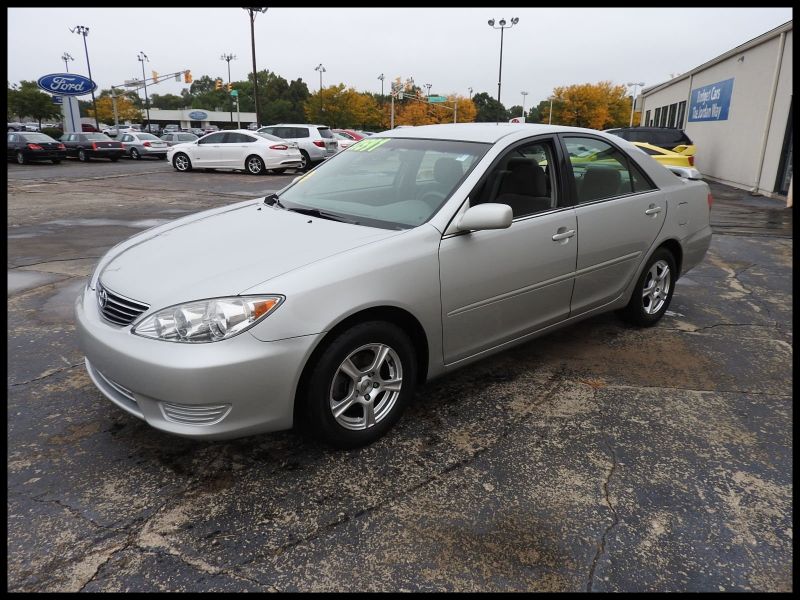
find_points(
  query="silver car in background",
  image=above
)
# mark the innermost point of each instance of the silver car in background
(416, 252)
(138, 145)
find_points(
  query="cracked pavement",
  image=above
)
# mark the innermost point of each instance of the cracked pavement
(598, 458)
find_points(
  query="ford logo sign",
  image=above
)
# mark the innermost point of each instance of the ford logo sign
(67, 84)
(198, 115)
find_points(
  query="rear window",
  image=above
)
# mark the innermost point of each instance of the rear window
(97, 136)
(271, 138)
(37, 137)
(186, 137)
(325, 132)
(147, 136)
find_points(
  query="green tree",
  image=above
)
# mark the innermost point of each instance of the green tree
(488, 109)
(26, 100)
(167, 101)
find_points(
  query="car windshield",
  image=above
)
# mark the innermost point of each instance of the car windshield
(392, 183)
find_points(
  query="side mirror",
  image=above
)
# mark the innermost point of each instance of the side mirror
(486, 216)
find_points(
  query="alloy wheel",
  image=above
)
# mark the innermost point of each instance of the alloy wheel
(656, 287)
(366, 386)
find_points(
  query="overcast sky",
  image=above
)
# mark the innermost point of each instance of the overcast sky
(452, 49)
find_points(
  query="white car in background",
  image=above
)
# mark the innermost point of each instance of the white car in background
(240, 150)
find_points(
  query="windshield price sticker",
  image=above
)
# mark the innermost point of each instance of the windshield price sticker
(368, 145)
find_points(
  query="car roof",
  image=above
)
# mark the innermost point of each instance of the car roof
(295, 125)
(479, 132)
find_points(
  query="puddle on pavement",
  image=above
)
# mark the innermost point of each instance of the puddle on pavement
(141, 224)
(25, 280)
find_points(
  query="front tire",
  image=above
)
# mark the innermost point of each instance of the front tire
(653, 291)
(135, 154)
(254, 165)
(181, 162)
(360, 384)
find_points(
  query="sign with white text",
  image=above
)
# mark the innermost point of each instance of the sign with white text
(66, 84)
(711, 102)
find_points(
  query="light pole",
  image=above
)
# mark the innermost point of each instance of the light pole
(429, 86)
(550, 118)
(524, 120)
(321, 70)
(84, 31)
(469, 89)
(142, 58)
(228, 58)
(381, 77)
(252, 12)
(502, 27)
(66, 57)
(633, 100)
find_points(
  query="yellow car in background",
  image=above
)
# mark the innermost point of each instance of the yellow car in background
(683, 158)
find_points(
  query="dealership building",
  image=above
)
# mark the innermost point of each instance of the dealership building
(737, 109)
(200, 118)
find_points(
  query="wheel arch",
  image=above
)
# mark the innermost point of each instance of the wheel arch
(673, 246)
(390, 314)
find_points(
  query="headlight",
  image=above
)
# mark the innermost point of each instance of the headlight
(207, 320)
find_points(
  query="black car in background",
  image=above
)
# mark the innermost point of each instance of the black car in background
(86, 146)
(27, 146)
(663, 137)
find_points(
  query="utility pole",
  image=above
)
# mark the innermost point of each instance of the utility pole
(321, 70)
(381, 78)
(524, 120)
(252, 12)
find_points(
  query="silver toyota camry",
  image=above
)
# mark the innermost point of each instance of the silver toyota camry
(412, 253)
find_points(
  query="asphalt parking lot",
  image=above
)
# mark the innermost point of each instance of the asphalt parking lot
(598, 458)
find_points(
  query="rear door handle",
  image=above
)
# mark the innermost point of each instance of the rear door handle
(653, 210)
(563, 235)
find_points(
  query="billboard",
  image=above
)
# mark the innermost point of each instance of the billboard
(711, 102)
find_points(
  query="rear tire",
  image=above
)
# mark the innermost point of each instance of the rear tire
(305, 161)
(82, 156)
(21, 158)
(254, 165)
(359, 386)
(653, 291)
(135, 154)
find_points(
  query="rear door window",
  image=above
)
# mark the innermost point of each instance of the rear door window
(325, 132)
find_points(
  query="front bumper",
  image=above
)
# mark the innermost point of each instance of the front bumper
(248, 383)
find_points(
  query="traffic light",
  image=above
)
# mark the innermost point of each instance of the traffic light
(230, 87)
(155, 75)
(218, 84)
(187, 77)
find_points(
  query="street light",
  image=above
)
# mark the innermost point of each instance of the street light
(252, 12)
(228, 58)
(501, 25)
(523, 106)
(321, 70)
(84, 31)
(429, 86)
(66, 57)
(470, 92)
(142, 58)
(633, 101)
(381, 77)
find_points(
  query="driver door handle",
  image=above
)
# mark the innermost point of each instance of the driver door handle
(653, 210)
(563, 234)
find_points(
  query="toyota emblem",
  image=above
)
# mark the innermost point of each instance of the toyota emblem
(102, 298)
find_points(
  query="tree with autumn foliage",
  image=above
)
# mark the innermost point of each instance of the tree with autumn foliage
(599, 105)
(417, 111)
(340, 107)
(126, 111)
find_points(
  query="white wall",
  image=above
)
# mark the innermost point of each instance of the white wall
(730, 150)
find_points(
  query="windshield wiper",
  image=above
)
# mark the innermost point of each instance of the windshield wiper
(314, 212)
(273, 199)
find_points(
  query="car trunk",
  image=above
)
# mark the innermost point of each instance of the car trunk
(331, 144)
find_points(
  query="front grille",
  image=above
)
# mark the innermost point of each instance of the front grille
(195, 414)
(118, 309)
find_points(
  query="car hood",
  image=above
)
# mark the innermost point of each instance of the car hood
(225, 253)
